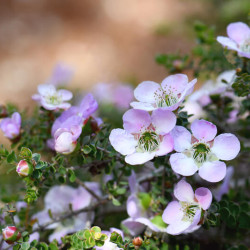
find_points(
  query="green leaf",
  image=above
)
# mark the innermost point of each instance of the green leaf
(72, 176)
(157, 220)
(86, 149)
(145, 199)
(96, 229)
(244, 220)
(25, 153)
(53, 246)
(116, 202)
(11, 157)
(25, 245)
(36, 157)
(120, 191)
(224, 213)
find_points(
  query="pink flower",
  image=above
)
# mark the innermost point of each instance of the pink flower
(61, 75)
(202, 151)
(11, 234)
(144, 137)
(183, 215)
(169, 95)
(11, 126)
(59, 200)
(238, 39)
(119, 95)
(140, 216)
(52, 99)
(68, 126)
(24, 168)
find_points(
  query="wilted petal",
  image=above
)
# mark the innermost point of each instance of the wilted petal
(122, 141)
(166, 146)
(204, 197)
(88, 106)
(239, 32)
(183, 191)
(134, 120)
(182, 138)
(213, 171)
(163, 121)
(183, 165)
(145, 91)
(226, 146)
(139, 158)
(203, 130)
(172, 212)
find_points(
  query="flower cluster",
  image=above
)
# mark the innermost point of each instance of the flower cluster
(68, 126)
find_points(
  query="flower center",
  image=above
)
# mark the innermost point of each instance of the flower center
(245, 47)
(189, 210)
(53, 99)
(148, 141)
(165, 98)
(200, 152)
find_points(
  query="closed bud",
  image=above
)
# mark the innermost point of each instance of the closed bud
(24, 168)
(11, 234)
(137, 242)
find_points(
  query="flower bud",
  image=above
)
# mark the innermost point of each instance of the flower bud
(137, 242)
(11, 234)
(24, 168)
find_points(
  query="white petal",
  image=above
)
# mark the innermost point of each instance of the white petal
(139, 158)
(183, 191)
(183, 165)
(142, 106)
(145, 91)
(122, 141)
(226, 146)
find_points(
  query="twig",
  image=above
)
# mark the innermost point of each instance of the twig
(78, 181)
(11, 215)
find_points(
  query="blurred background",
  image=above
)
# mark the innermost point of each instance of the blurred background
(101, 40)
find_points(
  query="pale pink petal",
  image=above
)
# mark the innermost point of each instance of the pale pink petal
(166, 146)
(175, 83)
(183, 165)
(182, 138)
(227, 42)
(148, 223)
(133, 186)
(183, 191)
(204, 197)
(172, 212)
(213, 171)
(178, 227)
(46, 89)
(122, 141)
(145, 91)
(226, 146)
(203, 130)
(36, 97)
(64, 143)
(163, 121)
(133, 207)
(65, 94)
(134, 120)
(135, 228)
(139, 158)
(244, 54)
(143, 105)
(194, 225)
(16, 117)
(64, 106)
(239, 32)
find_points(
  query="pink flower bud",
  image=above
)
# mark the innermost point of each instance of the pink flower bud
(24, 168)
(11, 234)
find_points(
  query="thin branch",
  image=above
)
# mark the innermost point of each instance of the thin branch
(78, 181)
(11, 215)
